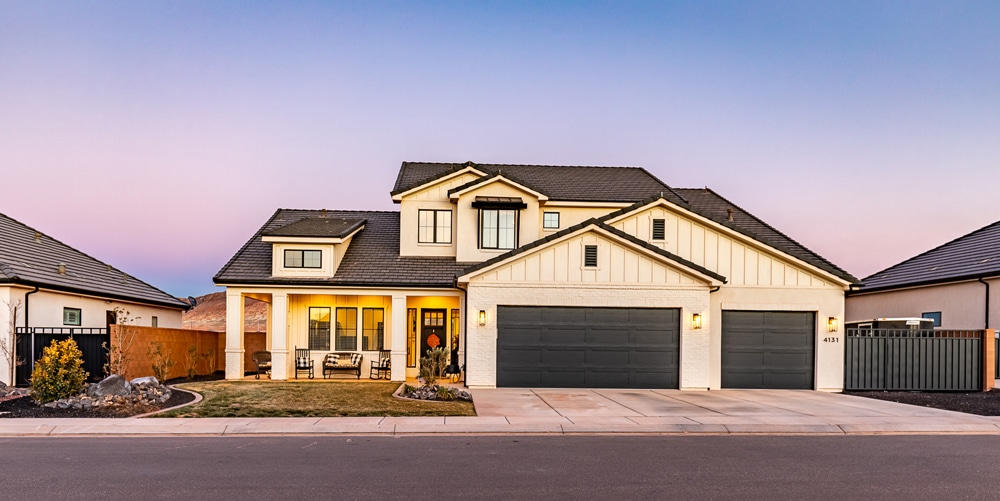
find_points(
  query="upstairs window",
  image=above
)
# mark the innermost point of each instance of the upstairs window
(434, 226)
(590, 256)
(550, 220)
(659, 229)
(497, 228)
(303, 258)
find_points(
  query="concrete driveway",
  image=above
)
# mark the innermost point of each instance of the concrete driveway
(724, 411)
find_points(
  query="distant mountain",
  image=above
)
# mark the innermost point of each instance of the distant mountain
(210, 314)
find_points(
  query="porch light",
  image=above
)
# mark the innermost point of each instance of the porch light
(482, 318)
(696, 321)
(832, 325)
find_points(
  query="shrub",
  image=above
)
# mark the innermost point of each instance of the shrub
(210, 361)
(192, 361)
(160, 361)
(59, 373)
(432, 366)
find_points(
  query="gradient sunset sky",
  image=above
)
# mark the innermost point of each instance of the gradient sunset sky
(158, 136)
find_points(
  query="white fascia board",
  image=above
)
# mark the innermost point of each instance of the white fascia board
(311, 240)
(736, 236)
(566, 203)
(468, 170)
(500, 178)
(464, 279)
(338, 291)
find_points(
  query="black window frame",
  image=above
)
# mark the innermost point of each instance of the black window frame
(662, 230)
(437, 239)
(302, 259)
(79, 316)
(933, 315)
(590, 256)
(545, 223)
(344, 333)
(317, 334)
(369, 331)
(482, 229)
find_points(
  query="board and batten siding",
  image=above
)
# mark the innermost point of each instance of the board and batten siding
(743, 263)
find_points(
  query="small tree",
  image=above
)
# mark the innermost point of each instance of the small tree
(161, 362)
(122, 337)
(192, 361)
(211, 362)
(8, 343)
(432, 366)
(59, 373)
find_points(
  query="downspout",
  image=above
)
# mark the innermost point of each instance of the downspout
(465, 351)
(26, 294)
(31, 336)
(986, 325)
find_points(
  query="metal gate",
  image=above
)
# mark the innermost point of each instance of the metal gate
(913, 360)
(31, 341)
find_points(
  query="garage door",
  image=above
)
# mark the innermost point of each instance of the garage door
(564, 347)
(768, 349)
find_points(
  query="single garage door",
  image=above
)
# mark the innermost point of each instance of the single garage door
(566, 347)
(768, 349)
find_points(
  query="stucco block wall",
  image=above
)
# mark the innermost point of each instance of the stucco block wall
(481, 340)
(962, 305)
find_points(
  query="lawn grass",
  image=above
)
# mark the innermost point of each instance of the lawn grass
(308, 399)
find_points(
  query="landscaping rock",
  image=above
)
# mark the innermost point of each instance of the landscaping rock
(438, 392)
(145, 381)
(114, 385)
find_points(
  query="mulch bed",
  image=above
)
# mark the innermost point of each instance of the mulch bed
(982, 403)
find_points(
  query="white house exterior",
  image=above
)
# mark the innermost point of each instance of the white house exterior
(57, 287)
(548, 276)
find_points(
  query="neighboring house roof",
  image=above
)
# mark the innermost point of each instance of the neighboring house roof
(709, 204)
(970, 256)
(372, 259)
(600, 224)
(31, 258)
(322, 226)
(558, 182)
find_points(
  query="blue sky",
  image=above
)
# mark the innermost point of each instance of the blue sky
(158, 136)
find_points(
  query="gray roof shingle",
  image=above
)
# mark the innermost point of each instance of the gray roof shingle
(372, 259)
(973, 255)
(322, 226)
(31, 261)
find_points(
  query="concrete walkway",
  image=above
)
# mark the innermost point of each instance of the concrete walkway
(526, 411)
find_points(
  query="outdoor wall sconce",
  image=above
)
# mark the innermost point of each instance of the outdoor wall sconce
(482, 318)
(696, 321)
(832, 324)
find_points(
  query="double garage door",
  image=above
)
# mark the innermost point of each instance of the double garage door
(567, 347)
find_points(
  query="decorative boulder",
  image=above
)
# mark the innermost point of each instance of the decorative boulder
(145, 381)
(113, 385)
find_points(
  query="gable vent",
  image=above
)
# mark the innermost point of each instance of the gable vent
(590, 256)
(62, 269)
(659, 229)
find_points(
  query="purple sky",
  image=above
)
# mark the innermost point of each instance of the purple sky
(158, 136)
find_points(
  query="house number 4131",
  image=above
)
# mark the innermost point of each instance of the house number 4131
(831, 340)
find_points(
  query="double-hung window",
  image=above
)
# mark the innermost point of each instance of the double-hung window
(372, 329)
(497, 228)
(295, 258)
(319, 329)
(434, 226)
(347, 329)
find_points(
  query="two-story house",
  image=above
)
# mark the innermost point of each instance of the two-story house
(547, 276)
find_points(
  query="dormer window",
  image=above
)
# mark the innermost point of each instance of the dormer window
(295, 258)
(434, 226)
(497, 228)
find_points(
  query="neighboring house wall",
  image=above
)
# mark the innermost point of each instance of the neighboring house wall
(962, 305)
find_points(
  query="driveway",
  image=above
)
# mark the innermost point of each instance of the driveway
(726, 411)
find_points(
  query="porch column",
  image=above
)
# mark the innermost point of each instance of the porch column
(398, 353)
(279, 335)
(234, 335)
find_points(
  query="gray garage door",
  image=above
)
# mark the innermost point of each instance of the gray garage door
(564, 347)
(768, 349)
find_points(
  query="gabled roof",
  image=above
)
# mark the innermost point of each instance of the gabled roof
(711, 205)
(31, 258)
(970, 256)
(557, 182)
(372, 259)
(322, 226)
(599, 224)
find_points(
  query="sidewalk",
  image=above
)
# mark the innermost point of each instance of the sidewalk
(567, 412)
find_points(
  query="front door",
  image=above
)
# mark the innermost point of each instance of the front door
(433, 330)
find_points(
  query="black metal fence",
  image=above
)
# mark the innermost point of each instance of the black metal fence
(913, 360)
(31, 341)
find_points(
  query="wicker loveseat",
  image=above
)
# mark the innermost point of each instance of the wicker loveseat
(342, 362)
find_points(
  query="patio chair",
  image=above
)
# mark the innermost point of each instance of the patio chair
(262, 360)
(303, 362)
(381, 367)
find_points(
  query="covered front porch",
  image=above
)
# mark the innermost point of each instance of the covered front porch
(350, 321)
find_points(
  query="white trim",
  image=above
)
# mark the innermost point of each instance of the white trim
(499, 178)
(770, 306)
(400, 196)
(310, 240)
(566, 203)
